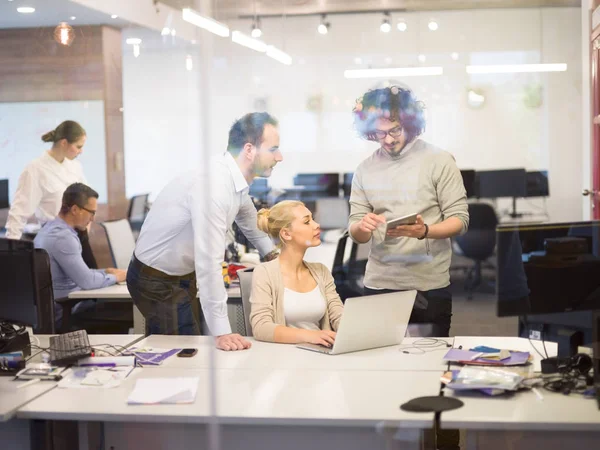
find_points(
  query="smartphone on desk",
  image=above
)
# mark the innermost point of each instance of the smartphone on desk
(409, 219)
(187, 352)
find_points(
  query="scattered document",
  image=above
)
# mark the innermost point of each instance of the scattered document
(153, 391)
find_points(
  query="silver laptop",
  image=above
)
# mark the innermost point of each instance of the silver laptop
(370, 322)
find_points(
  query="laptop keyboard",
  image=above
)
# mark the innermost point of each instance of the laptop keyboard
(69, 347)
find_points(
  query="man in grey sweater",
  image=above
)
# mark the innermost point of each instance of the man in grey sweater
(406, 175)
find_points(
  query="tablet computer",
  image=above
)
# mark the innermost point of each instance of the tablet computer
(409, 219)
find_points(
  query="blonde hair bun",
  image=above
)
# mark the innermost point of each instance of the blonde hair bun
(263, 220)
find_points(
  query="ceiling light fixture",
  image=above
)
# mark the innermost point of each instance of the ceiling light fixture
(278, 55)
(25, 9)
(433, 25)
(64, 34)
(136, 50)
(240, 38)
(165, 31)
(454, 56)
(189, 63)
(385, 26)
(72, 18)
(402, 26)
(133, 41)
(422, 57)
(517, 68)
(323, 27)
(256, 31)
(114, 16)
(393, 72)
(207, 23)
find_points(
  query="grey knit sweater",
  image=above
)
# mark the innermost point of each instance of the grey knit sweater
(422, 179)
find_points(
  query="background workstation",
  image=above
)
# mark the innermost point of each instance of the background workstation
(522, 141)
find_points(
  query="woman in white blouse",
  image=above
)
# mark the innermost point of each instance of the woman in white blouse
(293, 300)
(45, 179)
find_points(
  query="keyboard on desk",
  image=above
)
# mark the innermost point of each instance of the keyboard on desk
(69, 347)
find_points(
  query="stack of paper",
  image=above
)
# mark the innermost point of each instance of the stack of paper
(152, 391)
(496, 358)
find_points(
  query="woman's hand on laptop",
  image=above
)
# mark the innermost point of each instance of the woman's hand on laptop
(320, 337)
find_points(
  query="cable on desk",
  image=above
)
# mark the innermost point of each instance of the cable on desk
(426, 345)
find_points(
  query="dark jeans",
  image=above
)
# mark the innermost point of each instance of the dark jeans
(438, 312)
(169, 306)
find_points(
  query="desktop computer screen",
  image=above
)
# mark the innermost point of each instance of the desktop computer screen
(17, 282)
(548, 268)
(4, 194)
(537, 184)
(259, 188)
(347, 186)
(502, 183)
(468, 177)
(319, 184)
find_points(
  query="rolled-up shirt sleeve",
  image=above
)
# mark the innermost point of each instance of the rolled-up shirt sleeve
(209, 223)
(451, 193)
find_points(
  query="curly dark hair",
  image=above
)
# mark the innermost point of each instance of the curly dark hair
(393, 103)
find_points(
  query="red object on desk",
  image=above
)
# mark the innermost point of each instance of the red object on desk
(233, 268)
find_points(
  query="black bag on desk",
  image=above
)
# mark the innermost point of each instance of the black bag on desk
(348, 276)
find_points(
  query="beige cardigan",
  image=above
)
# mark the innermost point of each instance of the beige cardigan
(267, 299)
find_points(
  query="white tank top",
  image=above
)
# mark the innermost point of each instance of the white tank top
(304, 309)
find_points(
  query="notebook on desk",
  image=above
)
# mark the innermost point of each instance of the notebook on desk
(370, 322)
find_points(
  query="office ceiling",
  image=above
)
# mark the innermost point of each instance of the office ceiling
(48, 13)
(224, 9)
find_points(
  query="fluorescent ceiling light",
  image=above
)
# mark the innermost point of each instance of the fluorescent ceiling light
(209, 24)
(279, 55)
(133, 41)
(165, 31)
(517, 68)
(26, 9)
(240, 38)
(395, 72)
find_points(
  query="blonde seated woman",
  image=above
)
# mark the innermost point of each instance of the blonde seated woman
(292, 300)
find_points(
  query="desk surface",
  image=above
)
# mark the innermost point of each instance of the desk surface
(263, 355)
(12, 398)
(282, 397)
(120, 291)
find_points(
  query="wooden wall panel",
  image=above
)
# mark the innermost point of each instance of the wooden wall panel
(35, 68)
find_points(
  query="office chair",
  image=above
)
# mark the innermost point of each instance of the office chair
(479, 242)
(348, 272)
(138, 208)
(120, 242)
(245, 276)
(45, 293)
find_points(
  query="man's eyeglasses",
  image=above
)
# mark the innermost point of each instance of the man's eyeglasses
(93, 213)
(378, 135)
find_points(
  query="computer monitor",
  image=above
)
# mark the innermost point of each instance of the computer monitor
(547, 269)
(318, 184)
(537, 184)
(18, 294)
(468, 177)
(347, 186)
(259, 189)
(4, 194)
(502, 183)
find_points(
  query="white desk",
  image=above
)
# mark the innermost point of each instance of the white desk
(263, 355)
(303, 408)
(522, 421)
(11, 399)
(120, 292)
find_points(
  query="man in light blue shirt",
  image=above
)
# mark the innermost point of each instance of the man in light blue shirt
(59, 238)
(182, 243)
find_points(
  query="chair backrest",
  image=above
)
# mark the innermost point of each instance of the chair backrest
(120, 241)
(482, 216)
(245, 276)
(348, 273)
(45, 293)
(138, 208)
